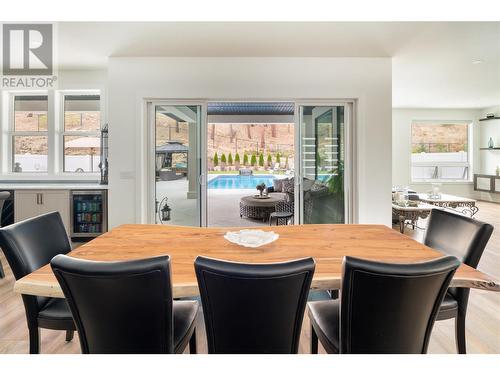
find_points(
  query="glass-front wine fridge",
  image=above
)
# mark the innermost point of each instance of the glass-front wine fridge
(89, 214)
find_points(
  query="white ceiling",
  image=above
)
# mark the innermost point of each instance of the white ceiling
(432, 62)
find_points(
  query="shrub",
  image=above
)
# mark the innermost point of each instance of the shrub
(261, 160)
(230, 159)
(216, 160)
(253, 160)
(278, 157)
(245, 159)
(223, 158)
(440, 147)
(269, 159)
(237, 158)
(419, 148)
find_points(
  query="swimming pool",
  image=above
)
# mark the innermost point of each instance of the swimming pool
(239, 182)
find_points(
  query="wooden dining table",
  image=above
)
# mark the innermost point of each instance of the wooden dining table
(327, 244)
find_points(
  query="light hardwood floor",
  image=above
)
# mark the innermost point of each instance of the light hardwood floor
(483, 318)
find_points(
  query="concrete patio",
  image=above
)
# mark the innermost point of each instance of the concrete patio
(223, 205)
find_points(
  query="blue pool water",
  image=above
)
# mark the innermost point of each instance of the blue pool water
(239, 182)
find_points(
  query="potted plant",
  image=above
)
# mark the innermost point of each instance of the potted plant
(253, 160)
(237, 161)
(336, 191)
(223, 162)
(216, 160)
(261, 187)
(261, 160)
(269, 161)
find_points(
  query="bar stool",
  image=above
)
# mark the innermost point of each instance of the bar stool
(281, 217)
(4, 195)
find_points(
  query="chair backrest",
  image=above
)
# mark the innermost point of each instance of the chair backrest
(457, 235)
(253, 308)
(391, 308)
(32, 243)
(119, 307)
(4, 195)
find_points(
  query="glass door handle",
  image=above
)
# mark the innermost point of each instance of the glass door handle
(202, 179)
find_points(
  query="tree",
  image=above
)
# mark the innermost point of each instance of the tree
(223, 158)
(261, 159)
(278, 157)
(253, 160)
(245, 159)
(230, 159)
(269, 160)
(237, 158)
(216, 160)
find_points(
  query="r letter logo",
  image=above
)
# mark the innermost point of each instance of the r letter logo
(27, 50)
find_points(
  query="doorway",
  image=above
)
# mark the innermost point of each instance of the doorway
(250, 146)
(177, 164)
(207, 158)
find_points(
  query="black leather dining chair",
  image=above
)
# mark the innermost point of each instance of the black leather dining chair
(466, 239)
(253, 308)
(126, 307)
(29, 245)
(384, 308)
(4, 195)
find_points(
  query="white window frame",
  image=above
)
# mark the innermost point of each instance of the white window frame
(55, 127)
(61, 133)
(13, 133)
(439, 165)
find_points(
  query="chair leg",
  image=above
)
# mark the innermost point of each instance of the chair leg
(69, 335)
(34, 334)
(460, 333)
(192, 343)
(314, 341)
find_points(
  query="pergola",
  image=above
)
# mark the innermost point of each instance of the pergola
(166, 151)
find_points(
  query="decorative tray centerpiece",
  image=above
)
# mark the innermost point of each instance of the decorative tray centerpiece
(261, 188)
(251, 237)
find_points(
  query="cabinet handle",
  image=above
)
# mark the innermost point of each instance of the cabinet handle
(41, 198)
(37, 198)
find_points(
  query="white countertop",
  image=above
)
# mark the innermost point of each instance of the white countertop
(47, 185)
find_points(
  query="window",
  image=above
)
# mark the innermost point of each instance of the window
(81, 133)
(30, 134)
(440, 151)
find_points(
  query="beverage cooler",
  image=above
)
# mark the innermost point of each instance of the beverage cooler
(89, 214)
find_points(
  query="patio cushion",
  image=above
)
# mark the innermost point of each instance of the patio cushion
(288, 185)
(308, 183)
(278, 185)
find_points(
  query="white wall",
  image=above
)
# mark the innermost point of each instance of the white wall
(365, 79)
(82, 79)
(401, 148)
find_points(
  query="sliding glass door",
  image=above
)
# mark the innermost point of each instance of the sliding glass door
(322, 150)
(177, 163)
